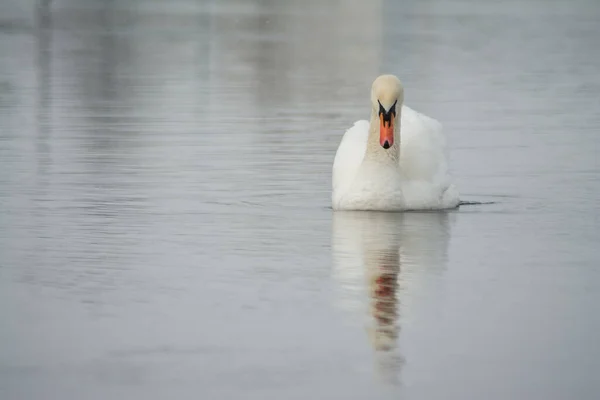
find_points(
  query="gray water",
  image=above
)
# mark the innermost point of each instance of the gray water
(165, 229)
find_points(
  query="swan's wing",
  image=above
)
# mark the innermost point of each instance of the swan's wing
(349, 156)
(422, 145)
(423, 159)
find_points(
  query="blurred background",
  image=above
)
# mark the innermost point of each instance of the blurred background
(165, 221)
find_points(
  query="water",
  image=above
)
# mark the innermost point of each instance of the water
(165, 228)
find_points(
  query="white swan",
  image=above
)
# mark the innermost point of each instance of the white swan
(395, 162)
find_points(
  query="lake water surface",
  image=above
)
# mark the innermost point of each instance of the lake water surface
(165, 221)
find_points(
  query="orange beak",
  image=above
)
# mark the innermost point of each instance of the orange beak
(386, 131)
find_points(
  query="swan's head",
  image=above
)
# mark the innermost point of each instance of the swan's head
(387, 96)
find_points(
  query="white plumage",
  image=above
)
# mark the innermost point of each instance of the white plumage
(367, 177)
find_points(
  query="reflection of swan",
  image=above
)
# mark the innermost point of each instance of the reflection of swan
(372, 252)
(394, 162)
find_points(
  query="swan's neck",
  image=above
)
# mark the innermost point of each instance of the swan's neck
(375, 152)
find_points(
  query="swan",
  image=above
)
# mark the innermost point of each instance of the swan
(394, 162)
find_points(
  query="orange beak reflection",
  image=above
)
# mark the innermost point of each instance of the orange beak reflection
(386, 130)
